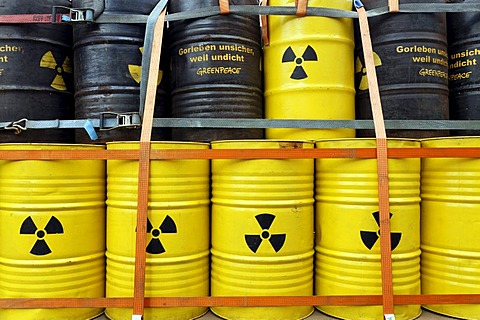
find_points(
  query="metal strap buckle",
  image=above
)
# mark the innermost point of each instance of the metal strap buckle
(18, 126)
(61, 14)
(113, 120)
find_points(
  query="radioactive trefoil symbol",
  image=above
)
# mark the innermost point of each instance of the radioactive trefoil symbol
(369, 238)
(360, 69)
(299, 72)
(48, 61)
(155, 245)
(265, 221)
(136, 71)
(41, 248)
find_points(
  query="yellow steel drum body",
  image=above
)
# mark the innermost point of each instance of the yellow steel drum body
(178, 238)
(450, 226)
(347, 241)
(262, 229)
(309, 72)
(52, 232)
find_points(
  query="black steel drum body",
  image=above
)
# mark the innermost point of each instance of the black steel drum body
(108, 69)
(36, 72)
(411, 59)
(464, 64)
(216, 70)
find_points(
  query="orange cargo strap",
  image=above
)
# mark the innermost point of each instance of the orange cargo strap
(264, 25)
(359, 153)
(144, 170)
(301, 7)
(224, 6)
(393, 6)
(382, 165)
(250, 301)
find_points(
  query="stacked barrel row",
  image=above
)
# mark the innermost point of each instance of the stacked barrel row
(215, 67)
(269, 227)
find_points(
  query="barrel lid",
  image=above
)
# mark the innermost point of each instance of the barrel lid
(158, 145)
(458, 141)
(262, 144)
(366, 142)
(48, 146)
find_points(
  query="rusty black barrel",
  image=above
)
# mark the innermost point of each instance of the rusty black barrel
(216, 71)
(410, 53)
(464, 62)
(108, 71)
(36, 74)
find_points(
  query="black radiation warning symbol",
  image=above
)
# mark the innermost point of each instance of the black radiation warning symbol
(155, 245)
(369, 238)
(41, 248)
(308, 55)
(48, 61)
(254, 241)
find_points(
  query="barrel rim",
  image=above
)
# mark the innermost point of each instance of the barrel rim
(365, 138)
(450, 139)
(47, 146)
(415, 142)
(240, 141)
(157, 143)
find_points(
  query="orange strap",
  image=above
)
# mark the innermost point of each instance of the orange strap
(393, 6)
(144, 169)
(264, 22)
(264, 301)
(364, 153)
(382, 166)
(301, 7)
(224, 6)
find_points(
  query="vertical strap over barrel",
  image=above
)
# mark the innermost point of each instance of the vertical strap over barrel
(264, 24)
(157, 19)
(393, 6)
(382, 165)
(224, 6)
(301, 7)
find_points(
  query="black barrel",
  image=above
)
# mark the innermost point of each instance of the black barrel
(108, 69)
(36, 72)
(464, 64)
(412, 68)
(216, 71)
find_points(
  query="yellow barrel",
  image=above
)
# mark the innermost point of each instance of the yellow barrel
(262, 229)
(309, 71)
(347, 228)
(450, 226)
(177, 230)
(52, 231)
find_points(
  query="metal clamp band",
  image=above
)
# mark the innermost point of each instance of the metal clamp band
(123, 120)
(18, 126)
(61, 14)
